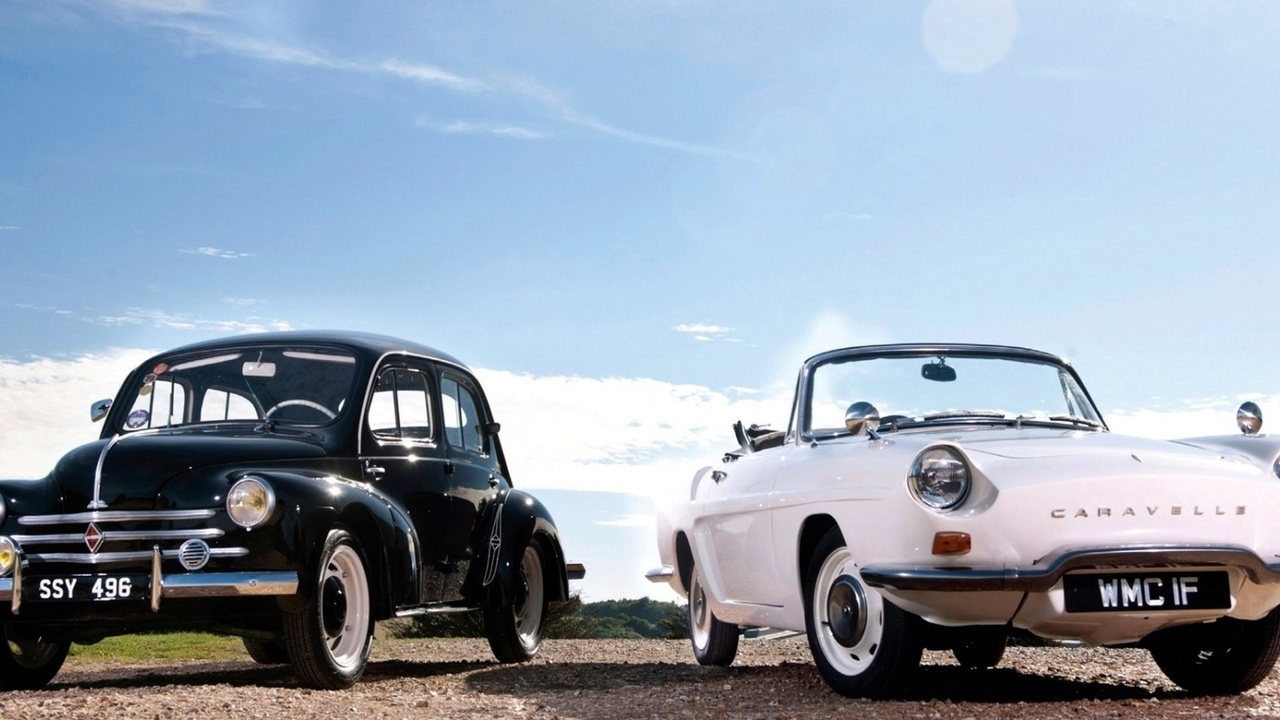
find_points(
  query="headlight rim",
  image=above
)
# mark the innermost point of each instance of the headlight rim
(916, 470)
(259, 518)
(8, 548)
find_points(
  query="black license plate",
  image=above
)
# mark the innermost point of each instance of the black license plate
(93, 588)
(1147, 592)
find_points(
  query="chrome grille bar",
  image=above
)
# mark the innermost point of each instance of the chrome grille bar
(121, 536)
(134, 556)
(108, 516)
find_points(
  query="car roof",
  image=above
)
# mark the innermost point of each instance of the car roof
(369, 345)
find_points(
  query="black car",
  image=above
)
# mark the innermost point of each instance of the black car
(289, 488)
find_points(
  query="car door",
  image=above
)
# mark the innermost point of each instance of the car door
(473, 462)
(404, 457)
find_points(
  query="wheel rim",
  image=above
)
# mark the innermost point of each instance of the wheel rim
(529, 604)
(344, 607)
(32, 654)
(699, 614)
(849, 617)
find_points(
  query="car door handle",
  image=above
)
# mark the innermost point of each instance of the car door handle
(493, 480)
(719, 475)
(374, 472)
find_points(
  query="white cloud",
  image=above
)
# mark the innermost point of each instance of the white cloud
(9, 228)
(216, 253)
(460, 127)
(702, 329)
(194, 19)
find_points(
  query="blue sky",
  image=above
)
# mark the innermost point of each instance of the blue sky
(637, 218)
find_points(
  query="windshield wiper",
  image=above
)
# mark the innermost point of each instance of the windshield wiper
(964, 414)
(1077, 421)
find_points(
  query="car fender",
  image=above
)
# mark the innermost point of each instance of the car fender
(311, 506)
(511, 522)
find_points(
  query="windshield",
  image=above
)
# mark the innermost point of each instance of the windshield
(286, 384)
(932, 389)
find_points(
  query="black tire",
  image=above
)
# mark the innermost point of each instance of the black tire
(981, 649)
(329, 639)
(714, 642)
(266, 652)
(864, 645)
(1224, 657)
(29, 664)
(516, 631)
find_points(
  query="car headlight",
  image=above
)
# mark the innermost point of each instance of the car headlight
(8, 556)
(939, 478)
(1275, 468)
(251, 502)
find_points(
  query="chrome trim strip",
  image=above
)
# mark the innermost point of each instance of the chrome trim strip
(1149, 557)
(15, 602)
(131, 556)
(231, 584)
(117, 516)
(122, 536)
(97, 503)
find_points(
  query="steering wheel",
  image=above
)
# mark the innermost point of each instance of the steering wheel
(304, 403)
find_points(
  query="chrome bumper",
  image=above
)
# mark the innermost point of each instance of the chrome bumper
(183, 585)
(1041, 579)
(661, 574)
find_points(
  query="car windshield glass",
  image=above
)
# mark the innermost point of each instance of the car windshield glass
(933, 389)
(283, 383)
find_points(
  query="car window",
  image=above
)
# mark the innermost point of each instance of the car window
(401, 407)
(161, 403)
(461, 417)
(226, 405)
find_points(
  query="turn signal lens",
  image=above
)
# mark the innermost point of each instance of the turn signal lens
(951, 543)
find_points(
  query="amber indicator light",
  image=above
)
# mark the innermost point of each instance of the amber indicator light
(951, 543)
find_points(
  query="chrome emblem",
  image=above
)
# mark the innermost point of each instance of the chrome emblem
(93, 538)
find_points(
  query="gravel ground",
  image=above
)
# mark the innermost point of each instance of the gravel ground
(628, 679)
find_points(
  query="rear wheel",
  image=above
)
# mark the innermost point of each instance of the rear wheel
(329, 639)
(1223, 657)
(29, 663)
(515, 631)
(266, 652)
(863, 645)
(714, 642)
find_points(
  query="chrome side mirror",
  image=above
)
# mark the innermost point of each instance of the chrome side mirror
(1249, 418)
(98, 410)
(862, 418)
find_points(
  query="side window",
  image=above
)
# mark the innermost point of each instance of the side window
(400, 408)
(160, 404)
(224, 405)
(462, 417)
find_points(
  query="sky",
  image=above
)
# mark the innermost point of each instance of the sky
(635, 218)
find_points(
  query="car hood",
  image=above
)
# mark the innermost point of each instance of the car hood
(136, 468)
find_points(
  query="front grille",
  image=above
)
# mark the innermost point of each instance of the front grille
(106, 537)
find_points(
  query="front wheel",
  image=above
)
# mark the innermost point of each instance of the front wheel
(714, 642)
(515, 631)
(1224, 657)
(28, 664)
(863, 645)
(329, 639)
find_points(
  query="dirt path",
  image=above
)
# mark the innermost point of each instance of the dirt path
(627, 679)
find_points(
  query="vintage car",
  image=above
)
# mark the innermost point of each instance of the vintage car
(948, 496)
(289, 488)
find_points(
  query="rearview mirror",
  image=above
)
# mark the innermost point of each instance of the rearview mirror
(938, 372)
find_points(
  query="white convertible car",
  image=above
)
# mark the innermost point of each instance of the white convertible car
(946, 496)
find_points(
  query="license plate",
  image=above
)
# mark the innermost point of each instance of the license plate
(1147, 592)
(93, 588)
